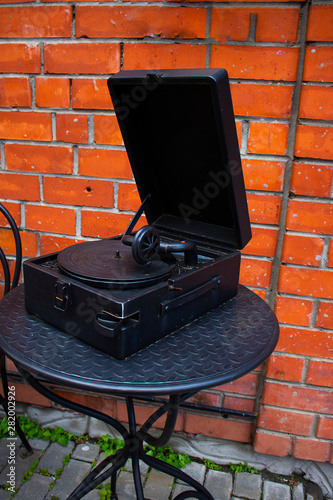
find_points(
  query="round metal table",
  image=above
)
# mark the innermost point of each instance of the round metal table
(220, 346)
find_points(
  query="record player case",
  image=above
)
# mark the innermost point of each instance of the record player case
(179, 132)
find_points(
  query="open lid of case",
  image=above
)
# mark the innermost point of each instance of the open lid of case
(179, 131)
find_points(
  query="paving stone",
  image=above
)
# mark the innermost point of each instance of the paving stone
(87, 452)
(195, 471)
(247, 485)
(38, 444)
(92, 495)
(21, 466)
(4, 451)
(298, 492)
(50, 417)
(37, 487)
(5, 495)
(125, 486)
(219, 484)
(70, 478)
(158, 485)
(53, 457)
(276, 491)
(97, 429)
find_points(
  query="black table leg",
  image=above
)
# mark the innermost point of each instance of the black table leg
(4, 402)
(133, 446)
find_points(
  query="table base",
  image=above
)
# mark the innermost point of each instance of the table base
(133, 446)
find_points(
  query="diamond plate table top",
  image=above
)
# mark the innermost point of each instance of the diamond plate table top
(220, 346)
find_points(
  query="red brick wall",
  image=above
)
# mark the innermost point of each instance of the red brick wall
(65, 176)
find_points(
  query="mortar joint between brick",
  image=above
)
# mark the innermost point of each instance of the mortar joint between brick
(314, 426)
(121, 55)
(290, 152)
(32, 80)
(209, 45)
(252, 28)
(75, 160)
(2, 153)
(78, 222)
(91, 130)
(245, 137)
(324, 255)
(54, 127)
(305, 371)
(115, 194)
(74, 21)
(41, 59)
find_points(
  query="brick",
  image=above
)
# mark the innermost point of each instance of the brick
(325, 428)
(263, 174)
(105, 224)
(268, 138)
(28, 240)
(312, 282)
(293, 311)
(104, 163)
(26, 394)
(320, 373)
(285, 421)
(285, 368)
(303, 250)
(310, 217)
(159, 56)
(82, 192)
(50, 219)
(318, 65)
(319, 23)
(305, 342)
(311, 180)
(264, 209)
(25, 126)
(316, 102)
(88, 58)
(20, 58)
(299, 398)
(32, 22)
(255, 272)
(72, 128)
(15, 210)
(261, 100)
(217, 427)
(15, 92)
(128, 197)
(246, 385)
(314, 142)
(139, 22)
(263, 242)
(50, 244)
(272, 25)
(142, 413)
(205, 398)
(91, 94)
(271, 444)
(325, 315)
(31, 158)
(256, 63)
(107, 130)
(19, 187)
(98, 403)
(11, 266)
(52, 92)
(310, 449)
(330, 254)
(238, 403)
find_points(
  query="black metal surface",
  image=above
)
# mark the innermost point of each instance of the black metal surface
(221, 346)
(107, 263)
(179, 131)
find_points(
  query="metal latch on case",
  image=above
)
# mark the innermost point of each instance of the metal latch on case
(169, 305)
(61, 297)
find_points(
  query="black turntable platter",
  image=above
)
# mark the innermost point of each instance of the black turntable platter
(110, 264)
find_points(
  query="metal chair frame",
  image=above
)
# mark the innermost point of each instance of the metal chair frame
(9, 286)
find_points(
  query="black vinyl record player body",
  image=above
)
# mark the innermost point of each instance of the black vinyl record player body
(121, 294)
